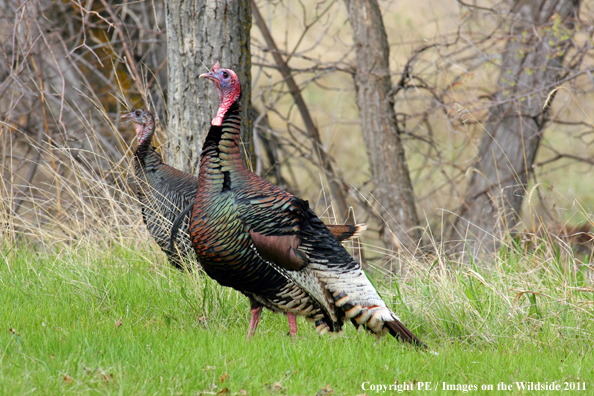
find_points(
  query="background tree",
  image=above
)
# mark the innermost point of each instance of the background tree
(392, 187)
(532, 65)
(199, 33)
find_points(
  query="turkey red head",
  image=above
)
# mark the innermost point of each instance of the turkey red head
(144, 122)
(229, 88)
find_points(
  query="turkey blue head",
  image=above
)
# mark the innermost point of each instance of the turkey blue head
(144, 122)
(229, 88)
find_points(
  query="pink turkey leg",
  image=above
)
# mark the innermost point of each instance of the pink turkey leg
(292, 323)
(254, 322)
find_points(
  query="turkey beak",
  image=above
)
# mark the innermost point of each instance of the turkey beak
(209, 75)
(126, 116)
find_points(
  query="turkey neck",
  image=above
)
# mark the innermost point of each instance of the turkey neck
(221, 165)
(146, 146)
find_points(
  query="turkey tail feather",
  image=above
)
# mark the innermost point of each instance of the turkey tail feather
(398, 330)
(347, 231)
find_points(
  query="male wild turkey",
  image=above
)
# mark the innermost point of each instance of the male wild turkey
(163, 192)
(268, 244)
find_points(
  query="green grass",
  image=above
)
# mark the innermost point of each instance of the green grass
(184, 334)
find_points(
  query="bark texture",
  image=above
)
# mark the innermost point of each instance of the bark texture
(389, 170)
(204, 31)
(531, 65)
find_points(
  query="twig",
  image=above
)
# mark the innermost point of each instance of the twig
(32, 169)
(129, 57)
(336, 186)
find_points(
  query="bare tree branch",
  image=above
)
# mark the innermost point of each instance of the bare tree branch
(339, 190)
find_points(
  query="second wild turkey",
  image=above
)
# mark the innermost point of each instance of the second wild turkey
(261, 240)
(164, 192)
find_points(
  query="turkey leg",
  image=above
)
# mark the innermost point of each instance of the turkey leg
(292, 324)
(254, 321)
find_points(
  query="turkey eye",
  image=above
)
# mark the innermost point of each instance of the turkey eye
(225, 74)
(137, 112)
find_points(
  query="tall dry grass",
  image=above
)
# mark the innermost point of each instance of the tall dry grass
(77, 195)
(64, 81)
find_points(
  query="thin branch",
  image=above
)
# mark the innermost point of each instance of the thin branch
(337, 187)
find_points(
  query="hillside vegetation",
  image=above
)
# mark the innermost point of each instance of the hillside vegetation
(116, 320)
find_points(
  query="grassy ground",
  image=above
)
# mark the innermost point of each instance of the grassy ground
(115, 320)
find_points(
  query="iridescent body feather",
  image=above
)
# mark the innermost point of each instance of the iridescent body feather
(263, 241)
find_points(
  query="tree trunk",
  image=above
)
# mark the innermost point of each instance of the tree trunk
(204, 31)
(531, 65)
(389, 170)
